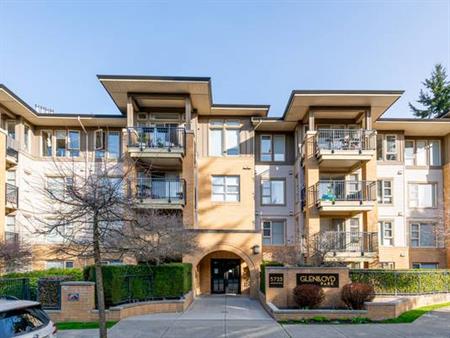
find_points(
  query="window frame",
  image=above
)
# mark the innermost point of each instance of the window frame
(382, 229)
(225, 189)
(386, 153)
(382, 180)
(434, 191)
(119, 153)
(49, 132)
(270, 180)
(224, 126)
(272, 148)
(419, 265)
(271, 221)
(99, 149)
(418, 238)
(56, 142)
(69, 148)
(428, 152)
(27, 137)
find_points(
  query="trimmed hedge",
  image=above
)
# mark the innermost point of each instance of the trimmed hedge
(404, 281)
(170, 280)
(34, 276)
(262, 276)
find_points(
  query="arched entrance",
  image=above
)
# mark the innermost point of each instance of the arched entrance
(225, 270)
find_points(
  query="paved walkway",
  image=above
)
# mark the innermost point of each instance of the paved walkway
(234, 316)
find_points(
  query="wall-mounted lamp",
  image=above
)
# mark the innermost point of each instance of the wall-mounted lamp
(256, 249)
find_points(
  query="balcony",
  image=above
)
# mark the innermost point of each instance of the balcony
(12, 197)
(157, 193)
(344, 148)
(342, 197)
(346, 244)
(160, 145)
(12, 153)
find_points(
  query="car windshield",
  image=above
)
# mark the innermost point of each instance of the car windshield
(17, 322)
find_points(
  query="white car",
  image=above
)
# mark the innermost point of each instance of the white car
(25, 319)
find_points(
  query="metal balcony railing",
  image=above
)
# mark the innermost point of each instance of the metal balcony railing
(345, 139)
(12, 194)
(11, 237)
(159, 189)
(156, 137)
(333, 191)
(12, 148)
(343, 241)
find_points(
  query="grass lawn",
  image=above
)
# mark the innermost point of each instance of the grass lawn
(412, 315)
(81, 325)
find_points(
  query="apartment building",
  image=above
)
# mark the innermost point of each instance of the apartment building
(329, 177)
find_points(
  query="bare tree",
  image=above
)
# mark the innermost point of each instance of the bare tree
(14, 254)
(323, 245)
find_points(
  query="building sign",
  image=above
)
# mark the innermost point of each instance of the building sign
(326, 280)
(276, 280)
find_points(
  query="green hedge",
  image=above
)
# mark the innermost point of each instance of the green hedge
(34, 276)
(262, 276)
(168, 281)
(404, 281)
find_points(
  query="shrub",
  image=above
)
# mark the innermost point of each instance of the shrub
(170, 280)
(33, 276)
(354, 295)
(308, 295)
(262, 276)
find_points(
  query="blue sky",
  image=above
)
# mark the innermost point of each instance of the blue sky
(255, 52)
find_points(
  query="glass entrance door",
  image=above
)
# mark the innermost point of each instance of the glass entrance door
(225, 276)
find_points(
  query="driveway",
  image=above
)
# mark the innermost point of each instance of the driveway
(235, 316)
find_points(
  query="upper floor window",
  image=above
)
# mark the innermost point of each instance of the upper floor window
(99, 143)
(11, 127)
(224, 137)
(387, 147)
(273, 232)
(272, 148)
(273, 192)
(422, 235)
(61, 143)
(26, 137)
(422, 195)
(423, 152)
(47, 147)
(384, 191)
(114, 144)
(225, 189)
(73, 146)
(386, 233)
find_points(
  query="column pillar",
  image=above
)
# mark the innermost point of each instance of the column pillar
(130, 112)
(188, 112)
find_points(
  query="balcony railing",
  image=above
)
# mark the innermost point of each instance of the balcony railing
(12, 148)
(333, 191)
(159, 190)
(11, 237)
(12, 194)
(164, 138)
(345, 139)
(341, 241)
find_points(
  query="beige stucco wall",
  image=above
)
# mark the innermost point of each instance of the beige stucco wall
(2, 181)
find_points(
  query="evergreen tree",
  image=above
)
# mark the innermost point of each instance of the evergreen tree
(436, 98)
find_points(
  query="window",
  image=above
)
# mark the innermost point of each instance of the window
(54, 264)
(47, 143)
(388, 265)
(99, 143)
(114, 144)
(273, 148)
(422, 235)
(26, 137)
(60, 143)
(379, 147)
(386, 233)
(422, 195)
(273, 232)
(10, 224)
(354, 230)
(68, 264)
(23, 322)
(384, 191)
(74, 143)
(224, 138)
(273, 192)
(11, 177)
(425, 265)
(391, 148)
(11, 125)
(225, 189)
(423, 152)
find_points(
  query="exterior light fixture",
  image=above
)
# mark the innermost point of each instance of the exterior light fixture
(256, 249)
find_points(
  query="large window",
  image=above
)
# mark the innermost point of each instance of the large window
(422, 195)
(11, 126)
(73, 147)
(422, 235)
(47, 147)
(224, 137)
(386, 233)
(272, 148)
(114, 144)
(423, 152)
(61, 143)
(273, 192)
(273, 232)
(384, 191)
(387, 147)
(225, 189)
(425, 265)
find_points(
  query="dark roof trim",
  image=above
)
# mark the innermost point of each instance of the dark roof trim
(152, 77)
(399, 119)
(236, 105)
(6, 89)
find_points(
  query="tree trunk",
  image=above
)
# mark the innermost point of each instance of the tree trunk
(99, 281)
